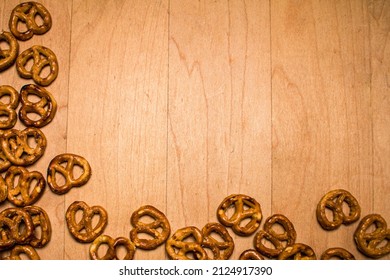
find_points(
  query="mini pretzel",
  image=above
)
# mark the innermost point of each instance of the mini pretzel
(339, 253)
(67, 172)
(333, 201)
(42, 57)
(26, 13)
(21, 194)
(179, 249)
(374, 244)
(251, 254)
(221, 250)
(23, 249)
(8, 110)
(8, 56)
(112, 244)
(3, 190)
(152, 229)
(15, 146)
(40, 220)
(19, 217)
(297, 251)
(278, 240)
(46, 107)
(83, 231)
(238, 201)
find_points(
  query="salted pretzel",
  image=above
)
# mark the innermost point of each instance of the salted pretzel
(46, 107)
(333, 201)
(82, 230)
(250, 254)
(278, 240)
(222, 250)
(15, 146)
(8, 56)
(42, 57)
(40, 220)
(374, 244)
(3, 190)
(112, 245)
(7, 110)
(19, 250)
(22, 194)
(337, 253)
(297, 251)
(67, 172)
(26, 13)
(22, 224)
(239, 202)
(159, 229)
(178, 248)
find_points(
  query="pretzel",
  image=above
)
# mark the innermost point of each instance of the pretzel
(3, 190)
(221, 250)
(278, 240)
(22, 249)
(152, 229)
(15, 146)
(8, 56)
(42, 57)
(337, 252)
(7, 232)
(18, 216)
(297, 251)
(46, 107)
(26, 13)
(251, 254)
(83, 231)
(179, 249)
(56, 166)
(40, 220)
(333, 201)
(238, 201)
(112, 244)
(21, 194)
(7, 110)
(374, 244)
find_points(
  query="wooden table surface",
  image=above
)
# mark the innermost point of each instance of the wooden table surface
(180, 103)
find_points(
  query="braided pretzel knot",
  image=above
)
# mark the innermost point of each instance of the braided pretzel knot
(278, 240)
(82, 231)
(152, 229)
(19, 250)
(297, 251)
(251, 254)
(46, 107)
(7, 110)
(8, 56)
(26, 13)
(221, 250)
(40, 220)
(67, 172)
(112, 244)
(42, 57)
(239, 202)
(374, 244)
(333, 201)
(21, 227)
(20, 194)
(337, 252)
(179, 249)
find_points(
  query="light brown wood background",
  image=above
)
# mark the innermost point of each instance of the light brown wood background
(179, 103)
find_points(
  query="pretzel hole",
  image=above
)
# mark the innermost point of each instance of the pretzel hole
(5, 98)
(21, 26)
(384, 243)
(95, 219)
(45, 71)
(23, 256)
(216, 236)
(37, 232)
(145, 236)
(209, 253)
(78, 216)
(4, 45)
(60, 179)
(32, 142)
(29, 64)
(346, 209)
(230, 211)
(33, 97)
(373, 227)
(146, 219)
(15, 181)
(278, 228)
(33, 116)
(78, 171)
(102, 250)
(268, 244)
(38, 20)
(121, 251)
(4, 116)
(33, 184)
(329, 214)
(245, 222)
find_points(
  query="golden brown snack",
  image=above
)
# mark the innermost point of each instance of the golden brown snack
(278, 240)
(251, 254)
(238, 201)
(333, 201)
(3, 190)
(7, 110)
(159, 229)
(42, 57)
(83, 231)
(8, 56)
(67, 172)
(46, 107)
(15, 146)
(297, 251)
(22, 249)
(374, 244)
(337, 253)
(222, 250)
(22, 225)
(40, 220)
(112, 245)
(178, 248)
(22, 194)
(26, 14)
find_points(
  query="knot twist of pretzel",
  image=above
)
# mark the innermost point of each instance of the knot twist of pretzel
(245, 207)
(26, 13)
(297, 251)
(333, 201)
(222, 249)
(160, 221)
(8, 56)
(112, 245)
(18, 250)
(82, 230)
(374, 244)
(338, 253)
(251, 254)
(7, 110)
